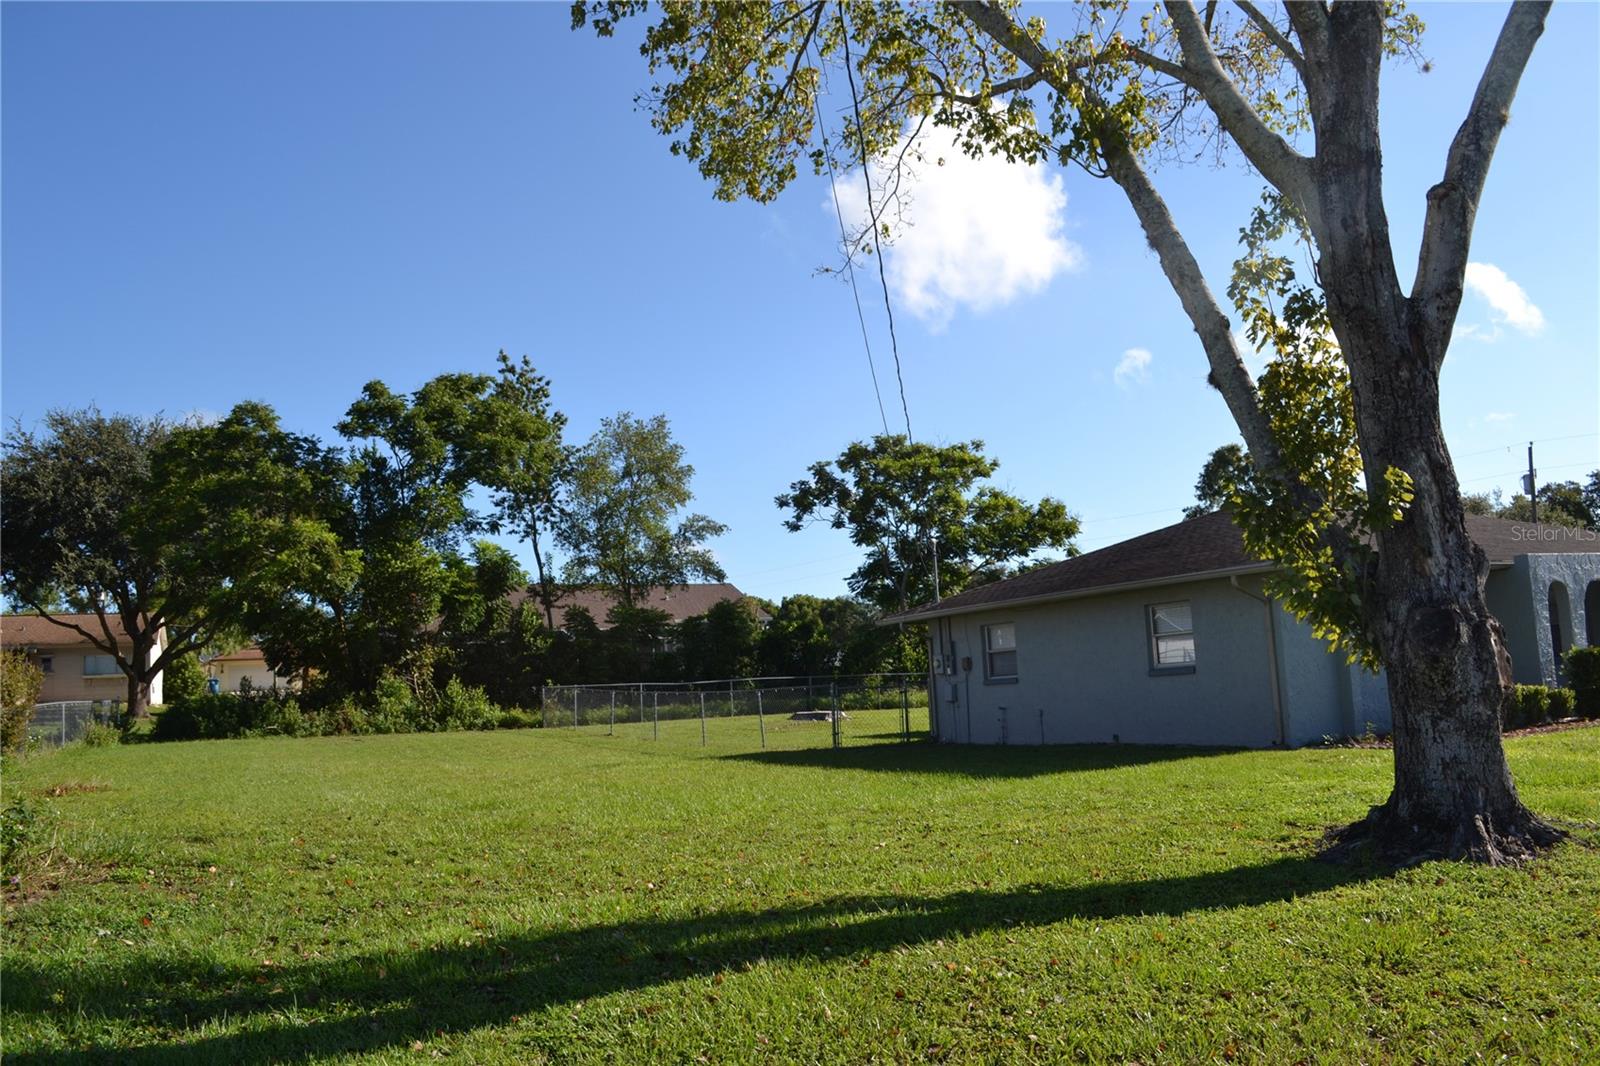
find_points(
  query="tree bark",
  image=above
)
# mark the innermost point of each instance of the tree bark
(1446, 664)
(138, 697)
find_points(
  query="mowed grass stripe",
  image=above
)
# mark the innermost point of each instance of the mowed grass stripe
(566, 896)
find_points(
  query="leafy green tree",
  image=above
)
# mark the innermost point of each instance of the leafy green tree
(722, 642)
(621, 525)
(1395, 578)
(1223, 470)
(184, 679)
(179, 531)
(813, 636)
(530, 467)
(897, 498)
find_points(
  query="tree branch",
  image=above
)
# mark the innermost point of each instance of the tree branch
(1269, 153)
(1275, 35)
(1228, 372)
(1453, 203)
(799, 56)
(90, 637)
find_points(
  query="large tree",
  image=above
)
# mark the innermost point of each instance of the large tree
(907, 502)
(175, 531)
(1222, 471)
(621, 525)
(1296, 93)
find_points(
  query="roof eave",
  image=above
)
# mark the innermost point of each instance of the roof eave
(929, 613)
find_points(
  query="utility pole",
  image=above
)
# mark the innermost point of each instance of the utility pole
(1531, 486)
(935, 537)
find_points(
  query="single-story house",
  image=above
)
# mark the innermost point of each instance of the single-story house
(1168, 638)
(232, 669)
(74, 668)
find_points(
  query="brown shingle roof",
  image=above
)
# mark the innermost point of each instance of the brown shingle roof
(678, 601)
(30, 630)
(1210, 544)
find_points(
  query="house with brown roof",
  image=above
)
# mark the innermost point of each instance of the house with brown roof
(677, 602)
(1170, 638)
(247, 667)
(74, 667)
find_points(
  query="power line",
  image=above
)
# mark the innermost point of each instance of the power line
(850, 259)
(872, 216)
(1518, 444)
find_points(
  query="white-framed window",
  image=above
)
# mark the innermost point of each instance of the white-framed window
(100, 665)
(1000, 652)
(1171, 635)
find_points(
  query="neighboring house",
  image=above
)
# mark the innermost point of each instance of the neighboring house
(74, 669)
(1167, 638)
(677, 601)
(232, 669)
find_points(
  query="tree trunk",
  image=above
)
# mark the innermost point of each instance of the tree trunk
(1444, 655)
(138, 697)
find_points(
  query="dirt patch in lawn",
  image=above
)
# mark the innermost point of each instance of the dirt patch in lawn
(1562, 726)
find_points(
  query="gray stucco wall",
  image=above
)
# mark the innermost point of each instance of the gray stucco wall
(1519, 596)
(1084, 674)
(1084, 666)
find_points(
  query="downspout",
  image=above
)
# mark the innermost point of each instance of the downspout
(1272, 656)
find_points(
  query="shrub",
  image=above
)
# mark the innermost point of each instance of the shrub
(1529, 705)
(183, 679)
(101, 735)
(1562, 703)
(465, 707)
(20, 682)
(222, 716)
(518, 719)
(1583, 672)
(19, 825)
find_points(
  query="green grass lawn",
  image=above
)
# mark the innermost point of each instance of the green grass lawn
(563, 896)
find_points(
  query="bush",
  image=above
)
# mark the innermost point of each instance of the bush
(516, 719)
(19, 825)
(20, 682)
(101, 735)
(465, 707)
(223, 716)
(1583, 672)
(1563, 701)
(1529, 705)
(183, 679)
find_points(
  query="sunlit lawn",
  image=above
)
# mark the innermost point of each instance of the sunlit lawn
(565, 896)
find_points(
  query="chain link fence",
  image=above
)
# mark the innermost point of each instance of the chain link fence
(747, 713)
(55, 725)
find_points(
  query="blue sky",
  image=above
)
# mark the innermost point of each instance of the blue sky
(210, 203)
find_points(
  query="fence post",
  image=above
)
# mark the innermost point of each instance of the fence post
(702, 719)
(905, 711)
(811, 700)
(63, 727)
(611, 729)
(838, 740)
(655, 716)
(574, 708)
(730, 699)
(641, 707)
(761, 719)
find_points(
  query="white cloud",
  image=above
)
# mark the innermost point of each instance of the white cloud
(1134, 366)
(980, 233)
(1499, 416)
(1507, 302)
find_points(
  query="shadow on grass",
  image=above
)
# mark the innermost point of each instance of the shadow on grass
(891, 755)
(388, 1000)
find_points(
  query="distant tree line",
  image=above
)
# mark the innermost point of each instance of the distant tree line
(364, 563)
